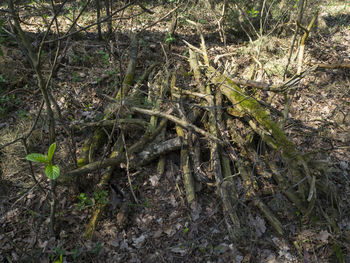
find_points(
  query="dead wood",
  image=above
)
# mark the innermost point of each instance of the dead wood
(182, 123)
(215, 113)
(184, 153)
(333, 66)
(121, 124)
(99, 137)
(138, 146)
(303, 40)
(249, 109)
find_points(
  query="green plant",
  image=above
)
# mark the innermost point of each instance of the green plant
(186, 230)
(146, 102)
(87, 106)
(296, 3)
(84, 201)
(101, 197)
(112, 72)
(202, 250)
(169, 38)
(253, 12)
(146, 204)
(59, 252)
(338, 252)
(31, 212)
(104, 56)
(22, 114)
(8, 102)
(76, 253)
(52, 171)
(60, 260)
(76, 77)
(97, 248)
(11, 98)
(60, 213)
(84, 59)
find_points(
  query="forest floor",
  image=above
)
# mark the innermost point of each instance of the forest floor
(161, 226)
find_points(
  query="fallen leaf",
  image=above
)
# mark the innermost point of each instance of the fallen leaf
(154, 180)
(158, 233)
(323, 235)
(137, 242)
(195, 211)
(180, 250)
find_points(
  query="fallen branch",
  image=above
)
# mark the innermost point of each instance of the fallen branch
(303, 40)
(178, 121)
(88, 168)
(333, 66)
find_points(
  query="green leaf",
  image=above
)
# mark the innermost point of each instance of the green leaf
(52, 172)
(37, 157)
(51, 151)
(60, 260)
(338, 252)
(186, 230)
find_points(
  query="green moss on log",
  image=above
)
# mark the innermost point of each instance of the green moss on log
(250, 106)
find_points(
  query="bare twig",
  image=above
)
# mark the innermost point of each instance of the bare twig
(160, 19)
(178, 121)
(128, 171)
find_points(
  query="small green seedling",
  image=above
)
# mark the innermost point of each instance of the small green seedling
(97, 248)
(186, 230)
(169, 38)
(101, 197)
(84, 201)
(104, 56)
(52, 171)
(60, 260)
(253, 12)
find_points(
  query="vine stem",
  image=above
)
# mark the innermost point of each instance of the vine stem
(52, 206)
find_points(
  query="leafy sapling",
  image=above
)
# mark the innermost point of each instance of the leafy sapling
(52, 171)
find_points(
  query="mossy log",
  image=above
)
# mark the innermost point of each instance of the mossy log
(270, 132)
(224, 187)
(148, 154)
(137, 147)
(251, 107)
(99, 208)
(187, 173)
(185, 156)
(130, 72)
(273, 134)
(259, 119)
(159, 95)
(275, 223)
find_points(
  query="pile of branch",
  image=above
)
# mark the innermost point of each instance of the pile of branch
(225, 120)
